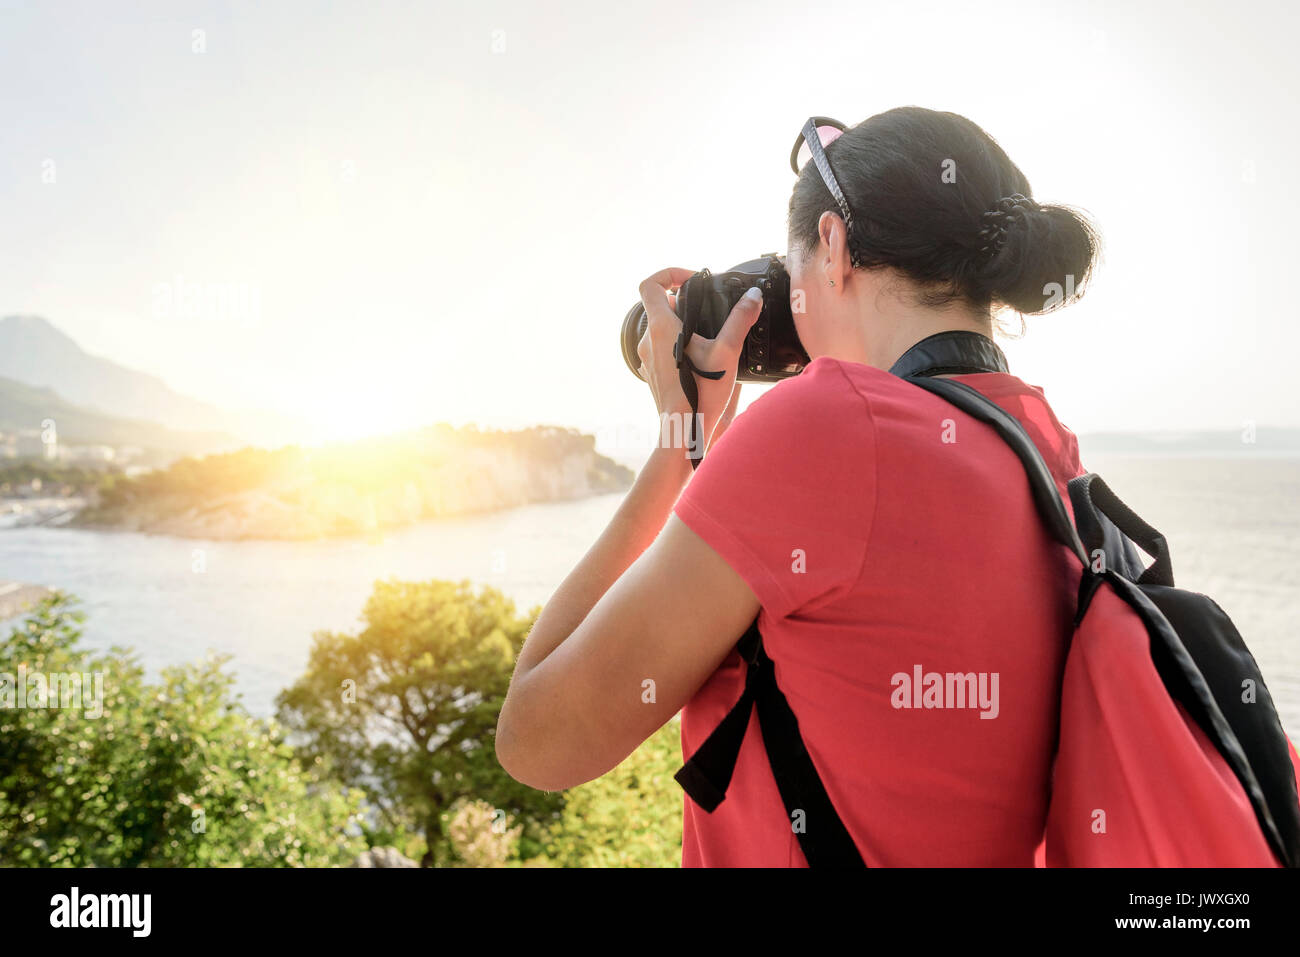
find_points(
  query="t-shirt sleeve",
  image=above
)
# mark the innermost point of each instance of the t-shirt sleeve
(788, 493)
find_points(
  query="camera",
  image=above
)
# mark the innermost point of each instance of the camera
(772, 350)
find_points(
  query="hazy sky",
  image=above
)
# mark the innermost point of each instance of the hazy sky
(399, 213)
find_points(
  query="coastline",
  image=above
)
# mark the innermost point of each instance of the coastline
(24, 512)
(259, 517)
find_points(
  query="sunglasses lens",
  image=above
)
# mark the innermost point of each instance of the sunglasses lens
(827, 135)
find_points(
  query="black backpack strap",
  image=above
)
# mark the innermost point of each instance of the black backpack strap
(824, 840)
(706, 776)
(1099, 514)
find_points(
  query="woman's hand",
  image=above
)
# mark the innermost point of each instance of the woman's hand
(717, 397)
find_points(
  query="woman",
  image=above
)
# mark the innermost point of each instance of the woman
(880, 535)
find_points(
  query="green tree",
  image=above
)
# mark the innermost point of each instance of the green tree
(172, 774)
(630, 817)
(406, 709)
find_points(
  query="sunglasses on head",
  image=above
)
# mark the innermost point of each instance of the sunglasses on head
(817, 134)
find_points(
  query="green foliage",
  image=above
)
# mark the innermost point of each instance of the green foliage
(57, 478)
(630, 817)
(176, 773)
(195, 479)
(172, 774)
(407, 708)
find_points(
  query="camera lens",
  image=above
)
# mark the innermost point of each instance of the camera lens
(634, 326)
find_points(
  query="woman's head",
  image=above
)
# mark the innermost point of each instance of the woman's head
(944, 228)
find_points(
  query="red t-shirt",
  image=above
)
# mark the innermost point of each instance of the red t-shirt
(888, 537)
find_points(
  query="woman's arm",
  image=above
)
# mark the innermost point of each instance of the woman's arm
(650, 611)
(635, 525)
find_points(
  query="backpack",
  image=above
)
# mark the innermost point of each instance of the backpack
(1170, 752)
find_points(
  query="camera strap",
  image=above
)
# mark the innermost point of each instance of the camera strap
(955, 352)
(687, 371)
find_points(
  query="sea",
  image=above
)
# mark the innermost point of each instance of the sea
(1232, 522)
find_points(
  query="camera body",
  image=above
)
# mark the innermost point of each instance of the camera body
(772, 350)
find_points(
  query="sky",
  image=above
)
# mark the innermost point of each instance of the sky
(378, 215)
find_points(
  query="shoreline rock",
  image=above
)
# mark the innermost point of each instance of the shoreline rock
(17, 598)
(309, 495)
(383, 857)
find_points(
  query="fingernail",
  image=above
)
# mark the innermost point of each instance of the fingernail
(753, 294)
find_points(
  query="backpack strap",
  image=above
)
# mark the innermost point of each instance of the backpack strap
(824, 840)
(1099, 514)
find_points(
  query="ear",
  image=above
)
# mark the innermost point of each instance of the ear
(833, 250)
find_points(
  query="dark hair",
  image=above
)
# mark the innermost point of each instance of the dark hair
(933, 227)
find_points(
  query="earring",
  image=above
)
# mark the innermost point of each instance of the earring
(832, 282)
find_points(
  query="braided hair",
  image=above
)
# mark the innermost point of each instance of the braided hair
(996, 221)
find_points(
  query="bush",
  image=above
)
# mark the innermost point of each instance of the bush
(630, 817)
(173, 774)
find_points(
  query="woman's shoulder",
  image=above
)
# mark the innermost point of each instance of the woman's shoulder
(836, 392)
(824, 385)
(827, 382)
(836, 401)
(809, 416)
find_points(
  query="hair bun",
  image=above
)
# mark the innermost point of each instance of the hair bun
(978, 239)
(1035, 258)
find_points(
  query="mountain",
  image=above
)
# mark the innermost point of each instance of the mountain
(24, 407)
(35, 353)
